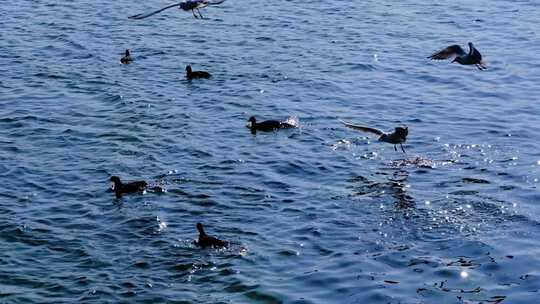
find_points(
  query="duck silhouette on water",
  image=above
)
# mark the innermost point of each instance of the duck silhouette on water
(460, 56)
(127, 58)
(206, 240)
(190, 74)
(267, 125)
(399, 136)
(189, 5)
(120, 188)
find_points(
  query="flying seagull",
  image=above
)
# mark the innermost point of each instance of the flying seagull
(459, 55)
(188, 5)
(399, 135)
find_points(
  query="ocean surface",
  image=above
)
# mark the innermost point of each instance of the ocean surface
(318, 214)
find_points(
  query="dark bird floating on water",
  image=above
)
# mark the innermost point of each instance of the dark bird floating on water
(189, 5)
(120, 188)
(459, 55)
(190, 74)
(267, 125)
(127, 58)
(399, 136)
(206, 240)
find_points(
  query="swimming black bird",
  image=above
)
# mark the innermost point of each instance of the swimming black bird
(267, 125)
(120, 188)
(459, 55)
(399, 135)
(208, 241)
(189, 5)
(127, 58)
(190, 74)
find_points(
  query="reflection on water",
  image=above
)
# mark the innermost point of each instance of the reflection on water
(395, 185)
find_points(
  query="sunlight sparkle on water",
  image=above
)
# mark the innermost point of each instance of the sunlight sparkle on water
(464, 274)
(161, 225)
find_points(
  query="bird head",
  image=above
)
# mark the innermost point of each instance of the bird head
(251, 121)
(402, 131)
(115, 182)
(200, 228)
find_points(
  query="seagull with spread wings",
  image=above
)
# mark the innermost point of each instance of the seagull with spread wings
(188, 5)
(459, 55)
(399, 136)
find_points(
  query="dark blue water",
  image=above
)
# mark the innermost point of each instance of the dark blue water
(319, 214)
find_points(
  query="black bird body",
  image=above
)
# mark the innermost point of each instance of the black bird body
(473, 57)
(189, 5)
(127, 58)
(190, 74)
(120, 188)
(192, 5)
(399, 136)
(206, 240)
(267, 125)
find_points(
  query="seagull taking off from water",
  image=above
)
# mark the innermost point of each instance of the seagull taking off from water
(188, 5)
(459, 55)
(399, 135)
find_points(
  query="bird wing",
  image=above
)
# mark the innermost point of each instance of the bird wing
(200, 3)
(142, 16)
(451, 51)
(362, 128)
(212, 2)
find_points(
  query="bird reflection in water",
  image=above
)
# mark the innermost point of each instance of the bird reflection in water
(398, 184)
(395, 185)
